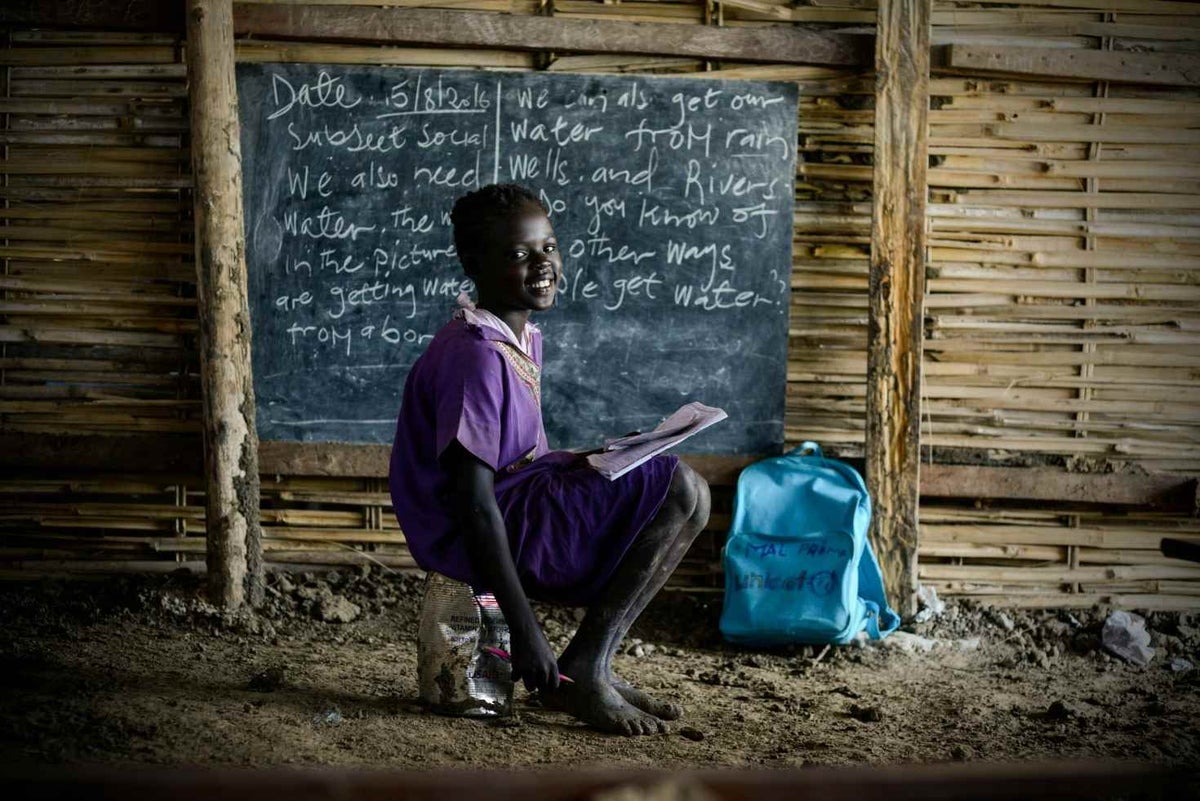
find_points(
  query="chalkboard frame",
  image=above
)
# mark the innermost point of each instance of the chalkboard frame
(789, 89)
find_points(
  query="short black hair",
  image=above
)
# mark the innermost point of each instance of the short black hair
(474, 211)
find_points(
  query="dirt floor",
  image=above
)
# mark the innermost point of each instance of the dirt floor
(143, 671)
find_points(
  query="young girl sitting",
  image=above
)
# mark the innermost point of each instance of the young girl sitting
(482, 499)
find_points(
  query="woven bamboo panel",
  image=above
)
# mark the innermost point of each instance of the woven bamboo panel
(97, 312)
(1041, 557)
(1063, 308)
(1060, 321)
(144, 523)
(1062, 301)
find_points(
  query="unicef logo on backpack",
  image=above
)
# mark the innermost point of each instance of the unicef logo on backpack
(798, 566)
(820, 584)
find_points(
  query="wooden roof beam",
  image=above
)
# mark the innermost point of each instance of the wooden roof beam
(404, 26)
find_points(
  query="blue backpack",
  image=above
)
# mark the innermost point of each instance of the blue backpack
(798, 565)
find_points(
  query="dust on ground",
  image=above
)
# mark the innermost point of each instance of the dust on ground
(126, 671)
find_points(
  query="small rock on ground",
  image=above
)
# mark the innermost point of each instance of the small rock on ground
(336, 609)
(866, 714)
(267, 680)
(961, 753)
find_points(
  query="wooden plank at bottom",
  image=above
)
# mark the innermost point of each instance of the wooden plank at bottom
(967, 481)
(372, 461)
(1073, 779)
(181, 454)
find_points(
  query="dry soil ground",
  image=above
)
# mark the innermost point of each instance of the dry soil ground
(143, 671)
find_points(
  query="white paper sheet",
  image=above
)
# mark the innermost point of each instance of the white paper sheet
(622, 454)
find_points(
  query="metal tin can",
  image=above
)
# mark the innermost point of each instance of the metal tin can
(455, 676)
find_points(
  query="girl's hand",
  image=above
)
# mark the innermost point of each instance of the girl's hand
(533, 661)
(487, 544)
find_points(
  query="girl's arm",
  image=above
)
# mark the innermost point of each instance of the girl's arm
(482, 525)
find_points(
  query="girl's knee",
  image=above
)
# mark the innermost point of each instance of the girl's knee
(703, 502)
(689, 493)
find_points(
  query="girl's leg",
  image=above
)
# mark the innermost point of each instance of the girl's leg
(595, 697)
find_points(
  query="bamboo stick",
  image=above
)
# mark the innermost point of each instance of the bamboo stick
(957, 550)
(1098, 575)
(23, 569)
(1078, 200)
(344, 558)
(22, 75)
(53, 86)
(1132, 7)
(989, 595)
(53, 35)
(69, 56)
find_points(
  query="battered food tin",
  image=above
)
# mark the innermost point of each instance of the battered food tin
(455, 675)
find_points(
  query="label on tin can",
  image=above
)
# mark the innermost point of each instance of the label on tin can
(455, 675)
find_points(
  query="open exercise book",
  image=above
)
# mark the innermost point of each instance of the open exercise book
(622, 454)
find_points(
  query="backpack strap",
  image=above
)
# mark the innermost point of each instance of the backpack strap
(881, 620)
(800, 450)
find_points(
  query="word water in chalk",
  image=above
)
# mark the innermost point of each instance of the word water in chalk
(671, 199)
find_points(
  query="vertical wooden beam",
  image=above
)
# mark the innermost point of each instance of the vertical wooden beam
(5, 121)
(231, 445)
(897, 289)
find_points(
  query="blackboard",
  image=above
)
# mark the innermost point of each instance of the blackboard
(671, 199)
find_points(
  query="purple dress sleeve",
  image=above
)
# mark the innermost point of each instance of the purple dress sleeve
(470, 404)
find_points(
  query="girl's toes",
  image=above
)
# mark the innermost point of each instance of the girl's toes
(663, 710)
(652, 725)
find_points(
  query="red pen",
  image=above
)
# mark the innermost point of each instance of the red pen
(507, 657)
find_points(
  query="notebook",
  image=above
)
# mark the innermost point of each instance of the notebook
(622, 454)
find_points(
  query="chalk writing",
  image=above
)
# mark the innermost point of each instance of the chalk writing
(326, 91)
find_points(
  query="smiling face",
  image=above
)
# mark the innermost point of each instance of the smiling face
(517, 265)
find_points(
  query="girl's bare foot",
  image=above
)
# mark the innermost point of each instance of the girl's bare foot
(663, 710)
(601, 706)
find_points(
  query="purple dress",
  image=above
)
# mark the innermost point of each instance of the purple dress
(568, 527)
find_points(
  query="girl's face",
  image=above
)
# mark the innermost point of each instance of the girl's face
(517, 266)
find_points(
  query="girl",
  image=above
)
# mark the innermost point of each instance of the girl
(483, 500)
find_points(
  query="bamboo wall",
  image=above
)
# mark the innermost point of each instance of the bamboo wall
(1062, 298)
(1061, 315)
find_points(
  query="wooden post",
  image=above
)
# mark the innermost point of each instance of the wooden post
(897, 289)
(230, 442)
